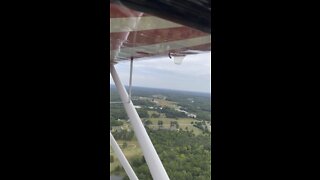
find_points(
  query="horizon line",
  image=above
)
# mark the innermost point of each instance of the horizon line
(167, 89)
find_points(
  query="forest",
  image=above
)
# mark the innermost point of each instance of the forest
(184, 155)
(184, 149)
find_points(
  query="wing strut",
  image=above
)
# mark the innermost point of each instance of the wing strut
(124, 162)
(130, 81)
(153, 161)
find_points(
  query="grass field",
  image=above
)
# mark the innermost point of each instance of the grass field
(133, 150)
(183, 123)
(152, 112)
(163, 103)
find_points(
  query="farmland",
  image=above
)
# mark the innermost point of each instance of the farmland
(184, 114)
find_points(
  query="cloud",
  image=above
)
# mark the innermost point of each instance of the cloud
(194, 74)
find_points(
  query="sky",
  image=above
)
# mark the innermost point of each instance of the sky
(194, 74)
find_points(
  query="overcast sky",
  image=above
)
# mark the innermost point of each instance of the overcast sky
(194, 74)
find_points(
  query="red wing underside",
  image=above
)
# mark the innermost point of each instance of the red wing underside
(137, 35)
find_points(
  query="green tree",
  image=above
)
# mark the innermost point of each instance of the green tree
(172, 124)
(125, 145)
(143, 113)
(160, 124)
(184, 155)
(153, 115)
(177, 125)
(148, 122)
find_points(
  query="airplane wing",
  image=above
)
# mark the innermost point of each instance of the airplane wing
(173, 28)
(137, 35)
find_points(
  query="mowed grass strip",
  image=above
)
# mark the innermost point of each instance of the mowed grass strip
(132, 150)
(183, 123)
(163, 103)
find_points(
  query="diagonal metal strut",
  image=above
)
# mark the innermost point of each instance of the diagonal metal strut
(153, 161)
(124, 162)
(130, 80)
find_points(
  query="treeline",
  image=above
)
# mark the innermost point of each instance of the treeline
(201, 100)
(201, 108)
(203, 115)
(184, 155)
(143, 113)
(145, 103)
(196, 103)
(117, 112)
(193, 103)
(115, 123)
(123, 135)
(171, 113)
(201, 125)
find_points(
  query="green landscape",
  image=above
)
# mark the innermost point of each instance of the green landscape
(179, 125)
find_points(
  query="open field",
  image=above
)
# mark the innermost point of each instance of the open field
(150, 112)
(183, 123)
(170, 142)
(133, 150)
(163, 102)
